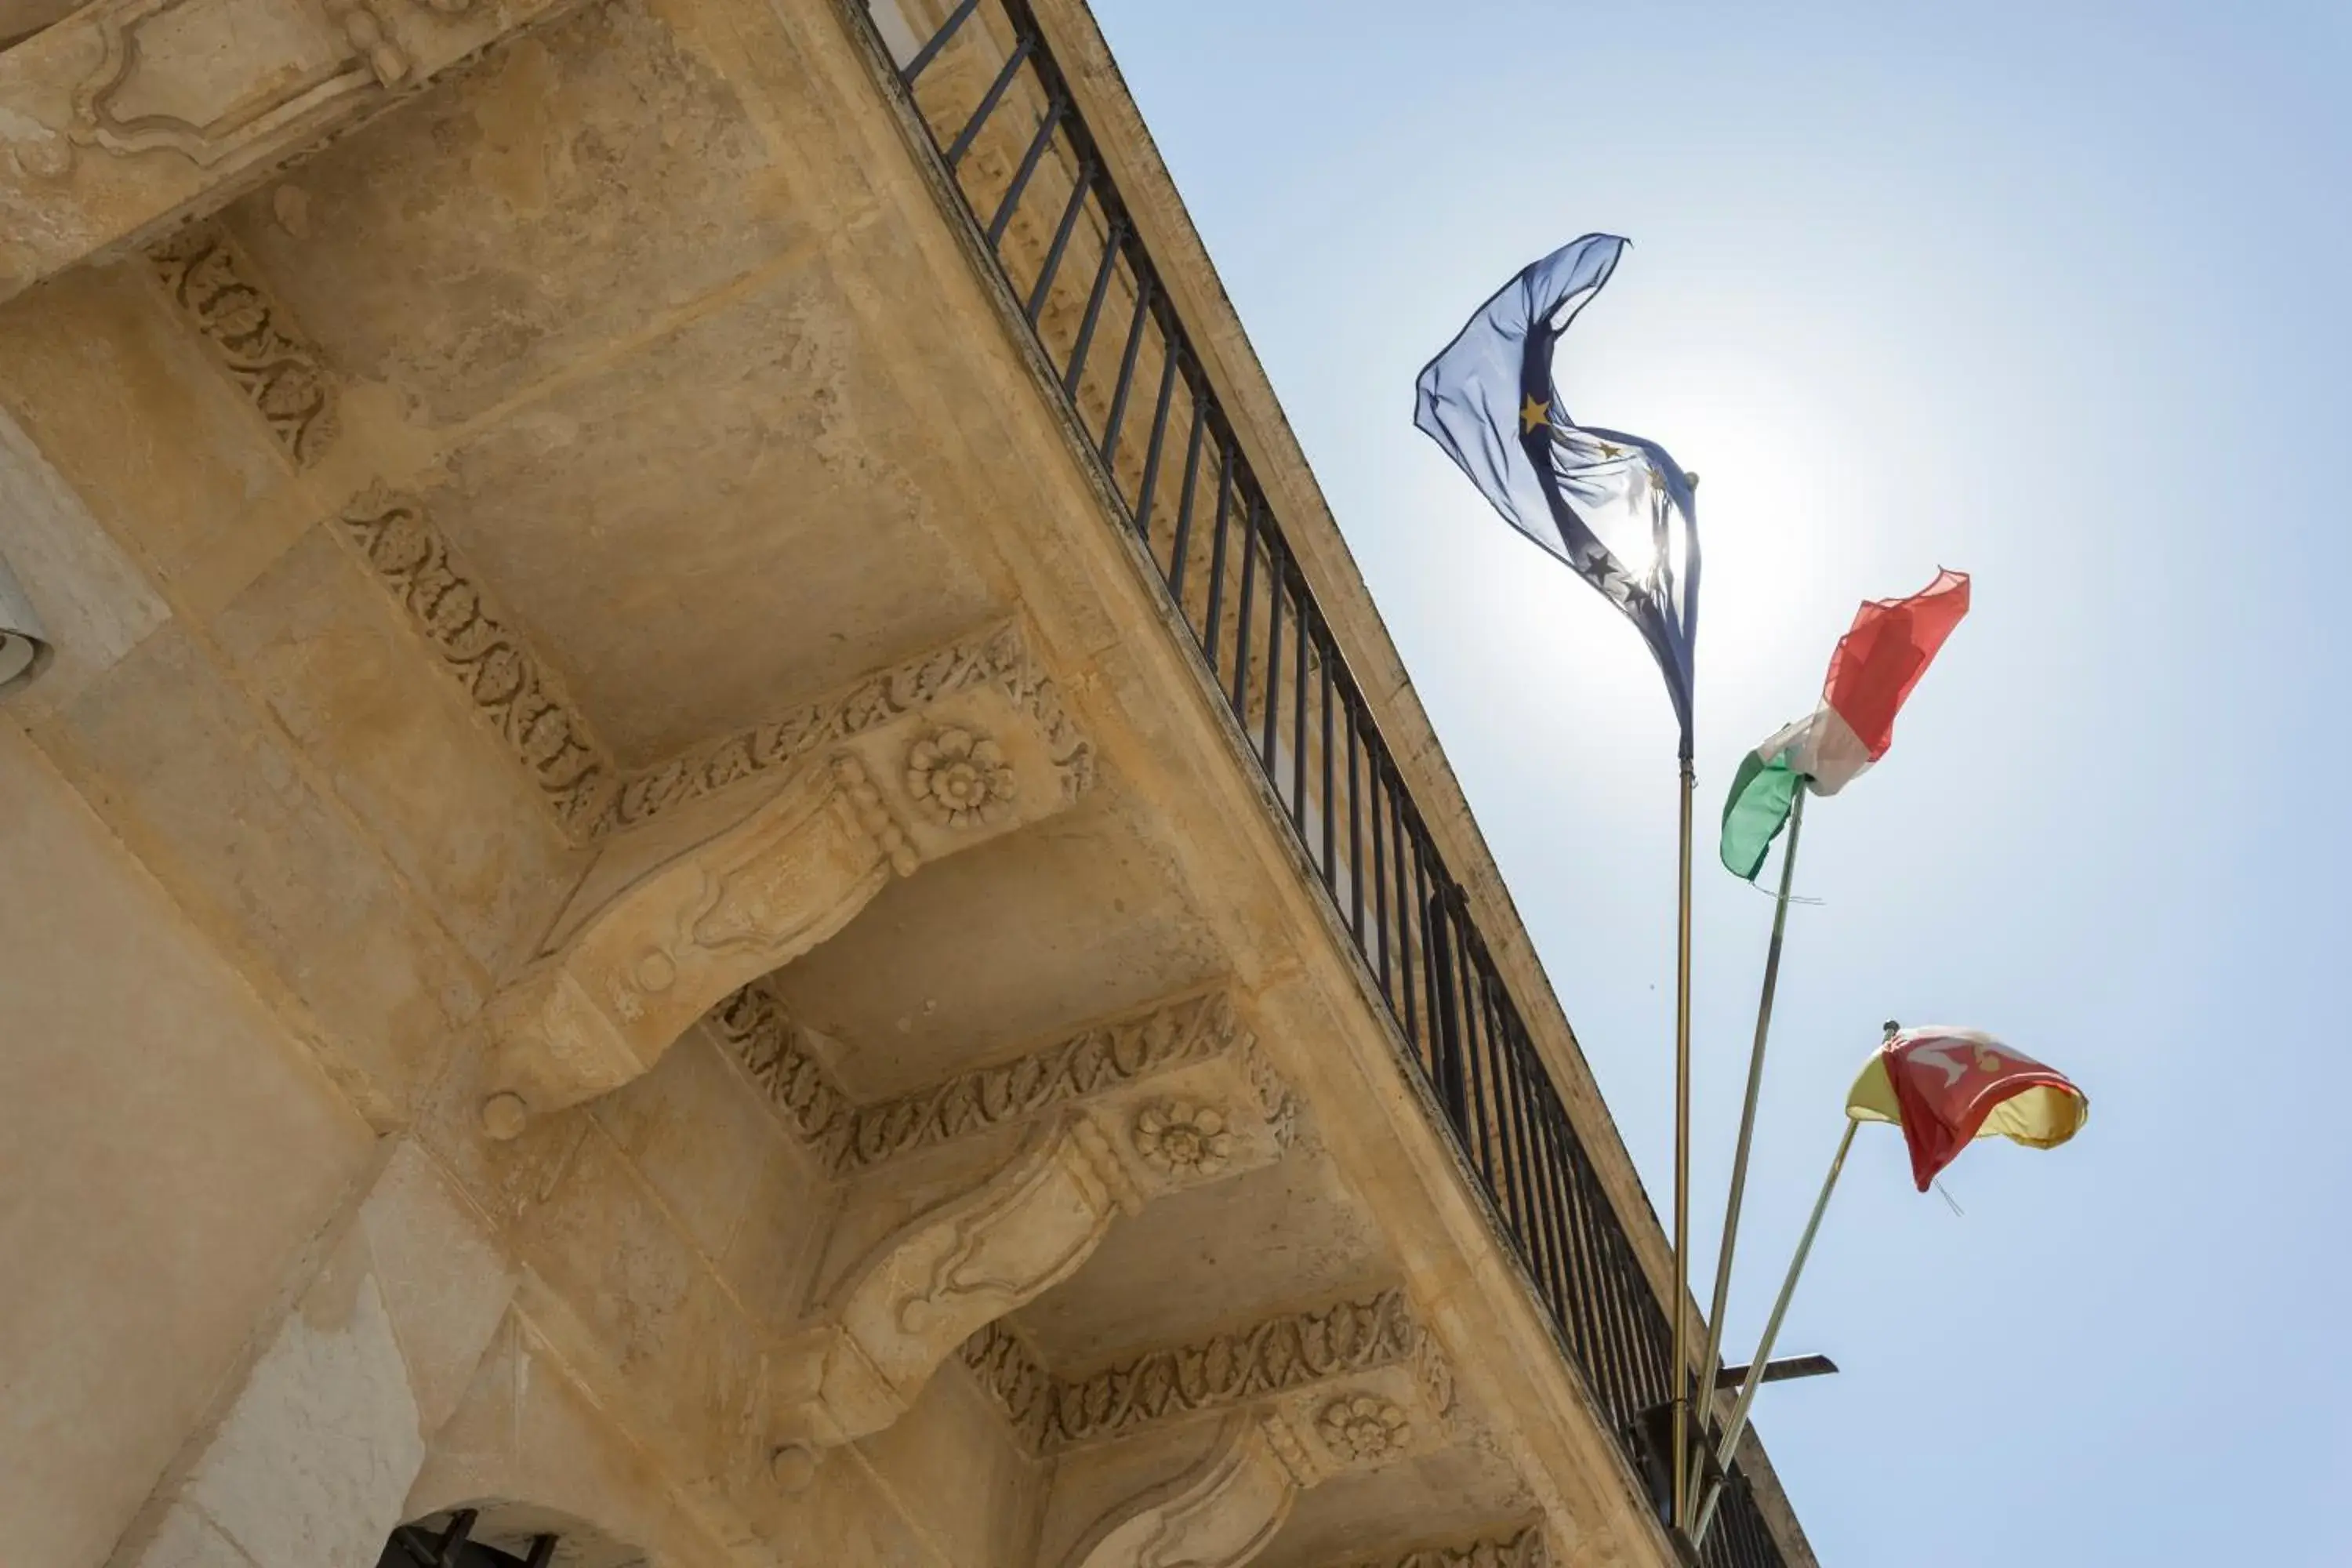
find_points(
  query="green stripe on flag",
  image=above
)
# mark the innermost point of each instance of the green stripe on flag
(1756, 811)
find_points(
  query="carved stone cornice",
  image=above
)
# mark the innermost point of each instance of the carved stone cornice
(1012, 1375)
(1277, 1356)
(1087, 1064)
(508, 684)
(516, 690)
(760, 1035)
(1529, 1547)
(250, 336)
(999, 657)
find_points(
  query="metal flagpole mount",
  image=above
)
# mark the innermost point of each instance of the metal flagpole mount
(1711, 1357)
(1681, 1363)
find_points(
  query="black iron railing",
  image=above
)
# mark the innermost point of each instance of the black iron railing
(1034, 188)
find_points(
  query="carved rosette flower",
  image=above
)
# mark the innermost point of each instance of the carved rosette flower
(1178, 1140)
(1364, 1430)
(959, 779)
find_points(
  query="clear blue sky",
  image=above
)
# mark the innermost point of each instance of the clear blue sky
(2051, 293)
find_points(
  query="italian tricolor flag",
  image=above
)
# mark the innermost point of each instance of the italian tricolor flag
(1878, 661)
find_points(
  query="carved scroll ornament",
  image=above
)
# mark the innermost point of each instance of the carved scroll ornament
(928, 1287)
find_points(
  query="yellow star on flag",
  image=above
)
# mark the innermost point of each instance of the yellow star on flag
(1532, 414)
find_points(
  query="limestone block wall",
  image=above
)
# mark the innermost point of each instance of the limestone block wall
(167, 1150)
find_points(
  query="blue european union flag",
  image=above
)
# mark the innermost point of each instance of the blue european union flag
(1616, 508)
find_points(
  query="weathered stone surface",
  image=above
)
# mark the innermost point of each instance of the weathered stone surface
(576, 184)
(324, 649)
(252, 846)
(444, 1280)
(755, 447)
(177, 505)
(188, 1540)
(168, 1150)
(701, 1141)
(93, 599)
(313, 1462)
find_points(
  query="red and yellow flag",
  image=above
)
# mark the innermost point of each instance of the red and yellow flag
(1946, 1086)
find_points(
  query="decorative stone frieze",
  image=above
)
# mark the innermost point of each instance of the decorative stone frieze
(998, 658)
(762, 1036)
(674, 916)
(508, 684)
(1012, 1375)
(939, 1278)
(209, 281)
(954, 779)
(1093, 1063)
(1313, 1395)
(1298, 1350)
(1528, 1547)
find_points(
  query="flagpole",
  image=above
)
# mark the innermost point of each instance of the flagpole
(1711, 1359)
(1682, 1150)
(1738, 1424)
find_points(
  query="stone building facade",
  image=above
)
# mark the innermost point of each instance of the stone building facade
(715, 862)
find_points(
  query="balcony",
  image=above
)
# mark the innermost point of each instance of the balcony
(1005, 139)
(693, 660)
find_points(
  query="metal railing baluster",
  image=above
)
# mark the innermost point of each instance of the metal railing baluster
(1355, 831)
(1112, 244)
(937, 41)
(1217, 550)
(1181, 546)
(1460, 1026)
(1299, 739)
(1126, 371)
(1052, 264)
(1007, 204)
(1169, 361)
(989, 100)
(1330, 798)
(1242, 615)
(1273, 597)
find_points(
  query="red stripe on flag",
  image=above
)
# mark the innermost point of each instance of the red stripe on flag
(1885, 651)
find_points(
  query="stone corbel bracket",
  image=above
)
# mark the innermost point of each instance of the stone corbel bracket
(1098, 1124)
(1220, 1513)
(949, 1272)
(741, 879)
(126, 116)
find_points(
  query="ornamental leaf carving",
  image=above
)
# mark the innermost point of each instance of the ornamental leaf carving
(250, 337)
(1528, 1547)
(508, 683)
(759, 1033)
(1000, 657)
(1278, 1355)
(1085, 1064)
(1011, 1376)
